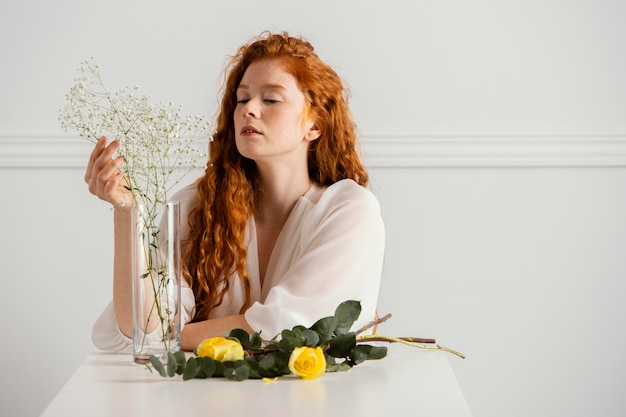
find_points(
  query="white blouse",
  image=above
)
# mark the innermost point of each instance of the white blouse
(330, 250)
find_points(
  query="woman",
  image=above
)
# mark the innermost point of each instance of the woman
(281, 228)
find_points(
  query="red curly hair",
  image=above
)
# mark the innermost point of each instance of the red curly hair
(217, 246)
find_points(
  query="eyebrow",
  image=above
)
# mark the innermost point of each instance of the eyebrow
(264, 87)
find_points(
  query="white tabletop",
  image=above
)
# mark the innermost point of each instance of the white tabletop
(416, 382)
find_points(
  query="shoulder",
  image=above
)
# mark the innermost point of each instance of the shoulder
(344, 197)
(345, 191)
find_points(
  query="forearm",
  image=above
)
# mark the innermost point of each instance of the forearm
(122, 269)
(194, 333)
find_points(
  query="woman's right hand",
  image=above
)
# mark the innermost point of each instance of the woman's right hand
(103, 175)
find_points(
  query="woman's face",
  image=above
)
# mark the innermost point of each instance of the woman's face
(270, 120)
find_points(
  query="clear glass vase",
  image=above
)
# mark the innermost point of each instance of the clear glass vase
(156, 281)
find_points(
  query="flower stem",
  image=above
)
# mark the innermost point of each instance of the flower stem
(373, 323)
(409, 341)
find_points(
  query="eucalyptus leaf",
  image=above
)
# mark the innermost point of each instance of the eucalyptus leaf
(282, 363)
(359, 354)
(298, 330)
(268, 362)
(339, 367)
(180, 361)
(171, 364)
(218, 368)
(255, 341)
(191, 369)
(238, 371)
(347, 313)
(242, 336)
(158, 365)
(255, 370)
(340, 346)
(207, 367)
(311, 337)
(290, 341)
(325, 328)
(377, 352)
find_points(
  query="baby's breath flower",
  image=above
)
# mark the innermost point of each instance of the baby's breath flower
(160, 145)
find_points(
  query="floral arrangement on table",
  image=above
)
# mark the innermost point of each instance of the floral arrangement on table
(160, 147)
(327, 346)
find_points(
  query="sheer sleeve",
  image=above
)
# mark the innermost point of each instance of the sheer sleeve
(107, 336)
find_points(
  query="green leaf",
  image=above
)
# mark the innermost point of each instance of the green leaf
(347, 313)
(237, 371)
(339, 367)
(290, 340)
(274, 364)
(377, 352)
(171, 364)
(191, 369)
(362, 353)
(340, 346)
(180, 356)
(359, 354)
(255, 341)
(180, 361)
(298, 330)
(255, 369)
(311, 338)
(242, 336)
(268, 361)
(156, 362)
(208, 368)
(325, 328)
(218, 369)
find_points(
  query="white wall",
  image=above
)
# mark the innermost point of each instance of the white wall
(496, 137)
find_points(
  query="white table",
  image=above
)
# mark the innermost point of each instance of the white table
(414, 382)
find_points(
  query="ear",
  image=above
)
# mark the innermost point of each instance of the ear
(313, 133)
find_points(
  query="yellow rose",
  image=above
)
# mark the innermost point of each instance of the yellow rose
(307, 362)
(220, 349)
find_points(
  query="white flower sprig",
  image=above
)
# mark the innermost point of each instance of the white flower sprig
(160, 145)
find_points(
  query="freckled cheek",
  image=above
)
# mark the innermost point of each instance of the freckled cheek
(236, 119)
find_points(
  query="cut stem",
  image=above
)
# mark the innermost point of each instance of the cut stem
(409, 341)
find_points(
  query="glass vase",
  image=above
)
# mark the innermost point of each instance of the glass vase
(156, 281)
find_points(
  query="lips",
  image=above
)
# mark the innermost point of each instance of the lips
(249, 130)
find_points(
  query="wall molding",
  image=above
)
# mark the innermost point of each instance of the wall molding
(496, 151)
(380, 151)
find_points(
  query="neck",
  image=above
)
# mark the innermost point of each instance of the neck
(279, 193)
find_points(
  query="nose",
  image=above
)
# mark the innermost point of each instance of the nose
(250, 108)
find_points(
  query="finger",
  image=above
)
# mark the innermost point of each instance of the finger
(103, 167)
(117, 194)
(105, 170)
(102, 159)
(95, 153)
